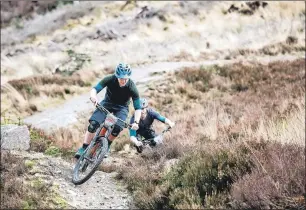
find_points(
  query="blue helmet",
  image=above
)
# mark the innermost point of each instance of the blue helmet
(144, 103)
(123, 71)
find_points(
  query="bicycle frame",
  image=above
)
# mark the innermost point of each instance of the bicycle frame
(109, 128)
(91, 156)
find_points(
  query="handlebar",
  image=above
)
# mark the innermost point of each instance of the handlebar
(166, 130)
(147, 141)
(103, 109)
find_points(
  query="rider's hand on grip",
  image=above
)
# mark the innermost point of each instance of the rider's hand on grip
(171, 124)
(94, 100)
(135, 126)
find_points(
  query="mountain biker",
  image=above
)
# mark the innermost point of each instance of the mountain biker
(148, 115)
(119, 90)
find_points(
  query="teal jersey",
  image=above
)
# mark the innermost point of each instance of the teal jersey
(119, 95)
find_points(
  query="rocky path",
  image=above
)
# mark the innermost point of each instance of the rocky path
(101, 191)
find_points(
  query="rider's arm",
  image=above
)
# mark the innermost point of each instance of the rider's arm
(157, 116)
(103, 83)
(137, 115)
(169, 122)
(132, 134)
(136, 102)
(93, 94)
(133, 138)
(96, 89)
(161, 118)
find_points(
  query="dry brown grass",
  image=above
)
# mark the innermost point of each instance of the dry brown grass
(30, 86)
(228, 115)
(279, 175)
(20, 98)
(107, 168)
(12, 191)
(61, 142)
(121, 141)
(292, 45)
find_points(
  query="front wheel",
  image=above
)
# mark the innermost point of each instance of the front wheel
(89, 161)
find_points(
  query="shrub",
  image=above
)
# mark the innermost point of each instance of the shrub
(280, 176)
(255, 174)
(53, 151)
(39, 140)
(199, 177)
(201, 77)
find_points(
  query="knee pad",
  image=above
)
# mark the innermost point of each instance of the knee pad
(116, 130)
(93, 126)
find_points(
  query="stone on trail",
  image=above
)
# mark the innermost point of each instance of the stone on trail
(14, 137)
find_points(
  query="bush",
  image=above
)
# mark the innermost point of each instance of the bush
(39, 140)
(53, 151)
(200, 177)
(279, 177)
(245, 173)
(200, 77)
(243, 176)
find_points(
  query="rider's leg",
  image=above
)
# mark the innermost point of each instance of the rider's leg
(111, 137)
(94, 122)
(122, 114)
(88, 137)
(90, 133)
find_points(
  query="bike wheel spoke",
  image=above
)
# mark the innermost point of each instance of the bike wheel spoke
(88, 163)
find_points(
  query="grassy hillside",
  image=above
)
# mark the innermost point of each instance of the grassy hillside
(87, 37)
(239, 139)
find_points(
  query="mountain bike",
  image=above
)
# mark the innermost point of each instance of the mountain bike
(94, 154)
(148, 142)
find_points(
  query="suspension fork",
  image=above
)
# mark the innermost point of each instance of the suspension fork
(95, 138)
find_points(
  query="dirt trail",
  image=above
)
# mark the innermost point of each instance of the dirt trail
(101, 190)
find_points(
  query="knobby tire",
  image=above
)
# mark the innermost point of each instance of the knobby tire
(101, 154)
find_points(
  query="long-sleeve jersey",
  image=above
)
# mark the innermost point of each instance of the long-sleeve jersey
(146, 123)
(119, 95)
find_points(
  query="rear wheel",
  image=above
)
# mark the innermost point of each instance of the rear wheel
(89, 161)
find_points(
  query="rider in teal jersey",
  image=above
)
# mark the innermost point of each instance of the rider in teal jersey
(120, 89)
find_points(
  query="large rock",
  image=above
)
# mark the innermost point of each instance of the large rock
(14, 137)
